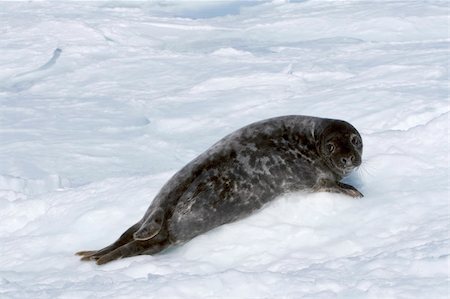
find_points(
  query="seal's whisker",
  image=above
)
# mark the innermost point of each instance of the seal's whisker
(363, 171)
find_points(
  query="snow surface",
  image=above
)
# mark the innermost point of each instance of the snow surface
(101, 102)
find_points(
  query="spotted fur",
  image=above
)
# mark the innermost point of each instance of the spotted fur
(238, 175)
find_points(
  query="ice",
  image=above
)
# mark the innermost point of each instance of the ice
(101, 102)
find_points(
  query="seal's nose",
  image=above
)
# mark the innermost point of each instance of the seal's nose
(348, 161)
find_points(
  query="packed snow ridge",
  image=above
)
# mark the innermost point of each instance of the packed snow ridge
(101, 102)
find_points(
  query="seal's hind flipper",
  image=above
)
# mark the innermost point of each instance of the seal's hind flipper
(151, 226)
(132, 249)
(125, 238)
(86, 253)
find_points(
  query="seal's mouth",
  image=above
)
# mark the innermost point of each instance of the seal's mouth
(344, 171)
(347, 170)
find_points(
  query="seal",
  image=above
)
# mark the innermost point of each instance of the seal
(238, 175)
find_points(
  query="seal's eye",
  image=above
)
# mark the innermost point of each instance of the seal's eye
(330, 148)
(355, 141)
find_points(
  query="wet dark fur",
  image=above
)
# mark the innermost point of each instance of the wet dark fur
(238, 175)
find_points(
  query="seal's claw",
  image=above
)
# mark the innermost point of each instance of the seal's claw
(86, 253)
(86, 258)
(349, 190)
(355, 193)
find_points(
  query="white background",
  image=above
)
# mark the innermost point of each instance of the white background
(89, 136)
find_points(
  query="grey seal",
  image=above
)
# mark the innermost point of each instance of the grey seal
(238, 175)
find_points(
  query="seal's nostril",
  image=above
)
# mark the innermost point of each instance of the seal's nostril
(348, 161)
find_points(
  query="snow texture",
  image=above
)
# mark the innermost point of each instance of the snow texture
(101, 102)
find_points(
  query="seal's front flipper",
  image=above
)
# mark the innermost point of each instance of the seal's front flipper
(151, 226)
(341, 188)
(349, 190)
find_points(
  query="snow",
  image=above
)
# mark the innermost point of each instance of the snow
(101, 102)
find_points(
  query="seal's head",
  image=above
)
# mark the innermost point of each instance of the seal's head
(340, 146)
